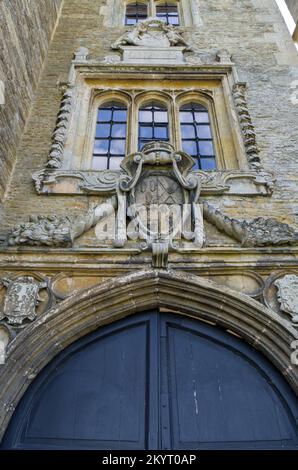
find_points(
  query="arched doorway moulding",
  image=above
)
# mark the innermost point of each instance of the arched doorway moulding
(117, 298)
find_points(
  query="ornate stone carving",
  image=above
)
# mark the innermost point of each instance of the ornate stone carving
(55, 231)
(159, 176)
(257, 232)
(151, 33)
(21, 299)
(75, 182)
(288, 295)
(105, 182)
(60, 133)
(42, 230)
(250, 143)
(152, 42)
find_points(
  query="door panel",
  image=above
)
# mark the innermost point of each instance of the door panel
(221, 398)
(94, 397)
(156, 381)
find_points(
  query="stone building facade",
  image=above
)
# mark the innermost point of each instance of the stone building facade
(223, 81)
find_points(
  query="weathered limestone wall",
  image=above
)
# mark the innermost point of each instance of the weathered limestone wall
(26, 28)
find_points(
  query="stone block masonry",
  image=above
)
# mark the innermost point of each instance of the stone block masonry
(26, 28)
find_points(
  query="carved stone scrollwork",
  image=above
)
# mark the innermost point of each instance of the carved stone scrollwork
(250, 143)
(42, 230)
(75, 182)
(60, 132)
(213, 183)
(256, 232)
(159, 176)
(21, 299)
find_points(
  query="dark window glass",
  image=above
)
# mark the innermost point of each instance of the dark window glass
(197, 136)
(110, 137)
(153, 124)
(168, 12)
(135, 12)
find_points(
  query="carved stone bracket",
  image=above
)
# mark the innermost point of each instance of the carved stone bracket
(250, 143)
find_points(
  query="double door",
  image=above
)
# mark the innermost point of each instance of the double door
(156, 381)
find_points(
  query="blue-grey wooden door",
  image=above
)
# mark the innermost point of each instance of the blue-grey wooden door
(156, 381)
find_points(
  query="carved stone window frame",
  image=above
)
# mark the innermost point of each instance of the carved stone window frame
(92, 82)
(134, 100)
(114, 12)
(102, 88)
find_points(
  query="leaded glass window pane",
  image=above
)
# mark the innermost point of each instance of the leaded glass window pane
(153, 124)
(197, 136)
(168, 12)
(110, 137)
(135, 12)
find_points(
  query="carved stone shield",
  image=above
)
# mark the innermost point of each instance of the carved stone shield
(288, 295)
(158, 189)
(21, 299)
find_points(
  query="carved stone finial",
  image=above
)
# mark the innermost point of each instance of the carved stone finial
(81, 55)
(224, 57)
(21, 299)
(288, 295)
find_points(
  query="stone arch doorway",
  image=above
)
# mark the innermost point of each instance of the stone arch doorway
(186, 295)
(156, 381)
